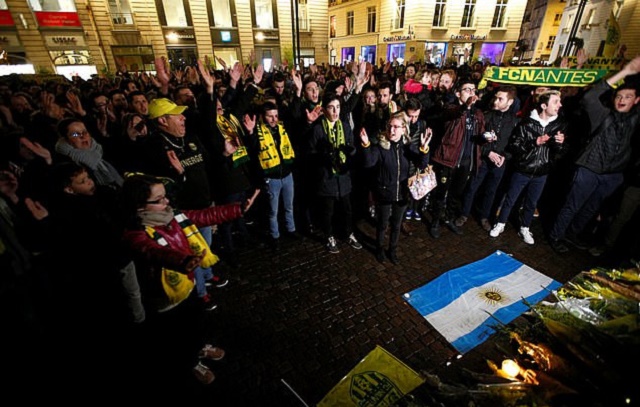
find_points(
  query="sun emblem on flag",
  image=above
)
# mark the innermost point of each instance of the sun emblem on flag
(492, 296)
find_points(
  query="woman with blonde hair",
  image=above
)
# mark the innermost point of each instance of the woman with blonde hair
(391, 159)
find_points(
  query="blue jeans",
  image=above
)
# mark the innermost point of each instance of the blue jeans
(201, 274)
(275, 188)
(518, 182)
(488, 177)
(588, 191)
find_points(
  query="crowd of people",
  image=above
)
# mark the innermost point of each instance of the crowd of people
(139, 189)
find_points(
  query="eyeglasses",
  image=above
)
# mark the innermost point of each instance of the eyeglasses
(79, 134)
(158, 201)
(392, 126)
(469, 90)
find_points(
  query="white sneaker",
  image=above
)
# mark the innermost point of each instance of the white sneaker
(526, 235)
(497, 229)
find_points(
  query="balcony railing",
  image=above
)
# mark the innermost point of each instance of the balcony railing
(122, 18)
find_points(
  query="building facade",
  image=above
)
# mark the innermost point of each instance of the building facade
(434, 31)
(101, 36)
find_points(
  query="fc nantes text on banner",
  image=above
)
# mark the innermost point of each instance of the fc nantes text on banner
(379, 380)
(464, 304)
(541, 76)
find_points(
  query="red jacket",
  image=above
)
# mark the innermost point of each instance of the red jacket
(448, 152)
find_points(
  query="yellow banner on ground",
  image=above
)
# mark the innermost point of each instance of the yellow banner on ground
(379, 380)
(541, 76)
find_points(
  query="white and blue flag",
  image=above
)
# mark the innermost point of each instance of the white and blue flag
(465, 303)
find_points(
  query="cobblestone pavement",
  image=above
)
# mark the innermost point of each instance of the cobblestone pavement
(305, 317)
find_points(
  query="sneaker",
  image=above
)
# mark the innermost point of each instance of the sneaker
(208, 303)
(408, 214)
(558, 246)
(416, 216)
(576, 242)
(536, 213)
(526, 235)
(218, 281)
(372, 211)
(598, 251)
(453, 227)
(353, 242)
(211, 352)
(332, 246)
(460, 221)
(497, 230)
(486, 225)
(203, 374)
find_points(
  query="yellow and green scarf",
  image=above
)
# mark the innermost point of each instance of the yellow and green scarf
(337, 139)
(231, 129)
(268, 155)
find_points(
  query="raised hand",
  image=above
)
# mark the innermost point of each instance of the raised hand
(425, 138)
(258, 73)
(74, 103)
(235, 73)
(581, 57)
(206, 76)
(313, 115)
(297, 81)
(162, 73)
(38, 211)
(249, 122)
(364, 137)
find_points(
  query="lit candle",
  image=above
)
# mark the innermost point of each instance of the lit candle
(510, 367)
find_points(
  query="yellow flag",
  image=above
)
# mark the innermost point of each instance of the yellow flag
(379, 380)
(613, 37)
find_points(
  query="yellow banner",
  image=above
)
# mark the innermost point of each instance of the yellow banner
(606, 63)
(379, 380)
(541, 76)
(613, 37)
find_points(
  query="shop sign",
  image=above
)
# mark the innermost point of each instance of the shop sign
(64, 41)
(57, 19)
(7, 40)
(397, 38)
(6, 19)
(468, 37)
(185, 36)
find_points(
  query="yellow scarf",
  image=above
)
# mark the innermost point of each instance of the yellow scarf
(177, 286)
(268, 155)
(336, 138)
(231, 130)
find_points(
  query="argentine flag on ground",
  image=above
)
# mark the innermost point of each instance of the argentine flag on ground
(464, 303)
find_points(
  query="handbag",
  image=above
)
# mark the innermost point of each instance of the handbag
(422, 183)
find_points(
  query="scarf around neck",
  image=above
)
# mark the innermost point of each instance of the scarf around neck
(156, 218)
(268, 154)
(103, 171)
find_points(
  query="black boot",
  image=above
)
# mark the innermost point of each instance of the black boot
(380, 255)
(393, 256)
(434, 231)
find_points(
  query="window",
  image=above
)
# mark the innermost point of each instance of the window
(556, 19)
(552, 39)
(53, 5)
(567, 28)
(589, 19)
(371, 19)
(303, 15)
(175, 14)
(467, 16)
(332, 27)
(438, 15)
(222, 13)
(350, 18)
(498, 15)
(264, 14)
(120, 12)
(398, 20)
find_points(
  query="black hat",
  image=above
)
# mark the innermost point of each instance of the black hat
(331, 86)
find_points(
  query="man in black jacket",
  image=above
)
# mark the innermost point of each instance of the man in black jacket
(499, 124)
(602, 161)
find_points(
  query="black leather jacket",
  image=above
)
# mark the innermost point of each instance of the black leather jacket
(528, 157)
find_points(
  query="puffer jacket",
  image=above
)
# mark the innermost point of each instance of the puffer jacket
(392, 161)
(151, 257)
(530, 158)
